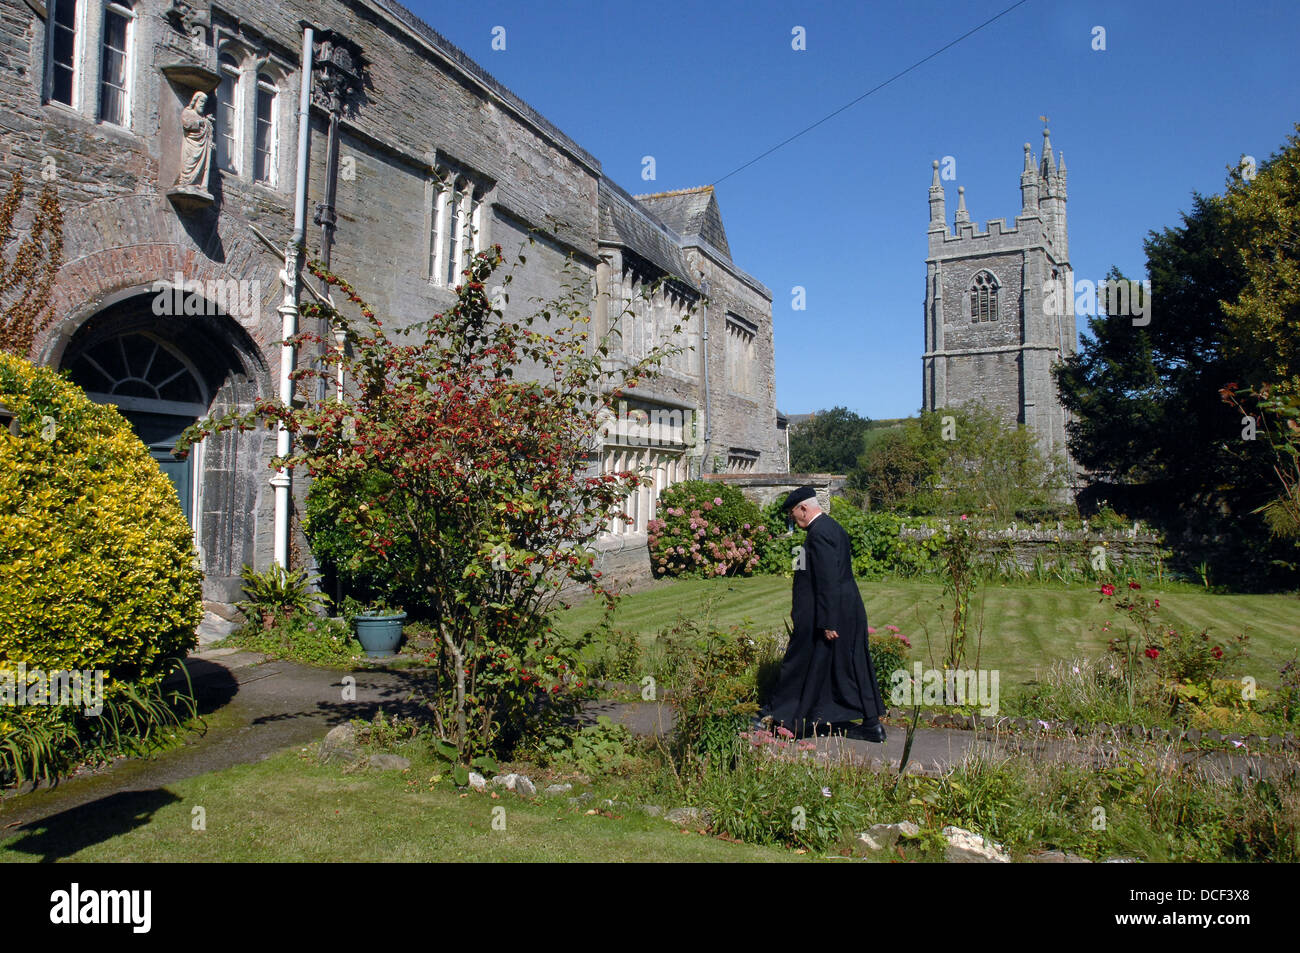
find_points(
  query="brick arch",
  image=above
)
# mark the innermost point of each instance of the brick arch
(119, 246)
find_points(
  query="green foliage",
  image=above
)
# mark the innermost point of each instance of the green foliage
(594, 750)
(800, 804)
(1262, 219)
(899, 465)
(878, 547)
(974, 463)
(139, 719)
(713, 679)
(706, 529)
(344, 512)
(827, 442)
(619, 657)
(302, 637)
(1148, 419)
(382, 733)
(97, 563)
(784, 539)
(890, 651)
(276, 593)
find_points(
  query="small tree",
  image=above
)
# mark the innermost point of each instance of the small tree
(27, 281)
(482, 483)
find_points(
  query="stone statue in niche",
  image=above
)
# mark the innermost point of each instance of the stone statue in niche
(196, 147)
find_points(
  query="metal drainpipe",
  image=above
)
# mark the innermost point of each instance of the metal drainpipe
(282, 481)
(708, 401)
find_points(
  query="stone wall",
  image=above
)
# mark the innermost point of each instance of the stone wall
(1026, 546)
(766, 488)
(424, 105)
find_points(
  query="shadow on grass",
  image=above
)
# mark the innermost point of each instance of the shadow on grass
(68, 832)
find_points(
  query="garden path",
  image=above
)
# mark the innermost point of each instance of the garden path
(256, 707)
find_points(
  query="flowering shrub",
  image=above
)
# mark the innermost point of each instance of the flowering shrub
(706, 529)
(1175, 659)
(450, 478)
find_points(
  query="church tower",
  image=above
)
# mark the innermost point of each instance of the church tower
(999, 304)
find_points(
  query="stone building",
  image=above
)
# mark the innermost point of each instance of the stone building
(167, 303)
(995, 318)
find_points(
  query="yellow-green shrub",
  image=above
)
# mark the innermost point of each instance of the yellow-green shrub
(97, 562)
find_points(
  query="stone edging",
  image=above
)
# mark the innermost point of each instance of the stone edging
(940, 719)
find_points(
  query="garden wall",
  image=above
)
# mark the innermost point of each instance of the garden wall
(764, 488)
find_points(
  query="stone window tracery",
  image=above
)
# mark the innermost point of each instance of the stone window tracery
(455, 225)
(983, 298)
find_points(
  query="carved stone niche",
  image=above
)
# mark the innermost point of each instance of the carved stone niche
(183, 173)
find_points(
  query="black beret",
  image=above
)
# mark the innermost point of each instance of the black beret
(796, 497)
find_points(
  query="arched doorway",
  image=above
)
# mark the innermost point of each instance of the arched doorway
(157, 389)
(163, 373)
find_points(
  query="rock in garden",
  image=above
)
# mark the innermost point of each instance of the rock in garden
(524, 786)
(967, 847)
(477, 781)
(887, 835)
(339, 745)
(689, 816)
(506, 781)
(558, 789)
(869, 842)
(654, 810)
(1057, 857)
(389, 762)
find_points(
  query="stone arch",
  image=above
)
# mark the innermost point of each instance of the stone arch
(224, 483)
(120, 255)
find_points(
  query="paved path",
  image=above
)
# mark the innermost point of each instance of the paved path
(257, 708)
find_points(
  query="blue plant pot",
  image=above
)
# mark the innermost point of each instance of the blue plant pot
(379, 635)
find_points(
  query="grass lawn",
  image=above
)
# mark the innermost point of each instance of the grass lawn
(1025, 627)
(288, 808)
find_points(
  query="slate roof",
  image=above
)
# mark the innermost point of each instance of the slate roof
(690, 212)
(624, 221)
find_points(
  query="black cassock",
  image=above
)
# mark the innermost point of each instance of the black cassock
(826, 680)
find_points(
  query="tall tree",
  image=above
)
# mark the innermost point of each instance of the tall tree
(1146, 398)
(827, 442)
(1262, 217)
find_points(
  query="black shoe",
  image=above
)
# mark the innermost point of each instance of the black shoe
(875, 732)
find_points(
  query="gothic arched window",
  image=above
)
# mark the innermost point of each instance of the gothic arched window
(984, 297)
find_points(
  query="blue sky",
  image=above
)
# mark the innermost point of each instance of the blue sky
(1181, 91)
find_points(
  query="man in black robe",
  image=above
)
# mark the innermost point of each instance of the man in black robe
(827, 676)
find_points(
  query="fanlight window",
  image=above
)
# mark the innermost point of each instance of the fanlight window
(136, 367)
(984, 298)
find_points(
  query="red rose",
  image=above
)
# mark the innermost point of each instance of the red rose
(1108, 590)
(1217, 652)
(1152, 653)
